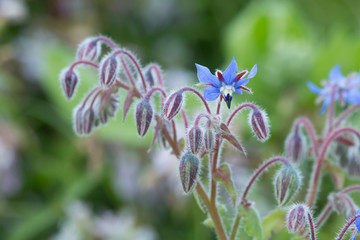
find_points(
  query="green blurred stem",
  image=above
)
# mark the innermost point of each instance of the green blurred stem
(235, 227)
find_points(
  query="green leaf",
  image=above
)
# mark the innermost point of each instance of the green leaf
(199, 202)
(223, 175)
(208, 222)
(273, 222)
(227, 217)
(251, 221)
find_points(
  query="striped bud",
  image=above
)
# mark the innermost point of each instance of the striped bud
(143, 116)
(78, 120)
(149, 78)
(69, 80)
(295, 146)
(209, 139)
(189, 171)
(173, 105)
(287, 182)
(108, 107)
(88, 121)
(109, 67)
(259, 124)
(195, 139)
(89, 50)
(296, 218)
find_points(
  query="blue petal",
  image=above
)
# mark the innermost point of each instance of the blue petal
(204, 75)
(253, 72)
(211, 93)
(357, 221)
(353, 96)
(241, 82)
(238, 90)
(335, 74)
(325, 105)
(228, 74)
(313, 88)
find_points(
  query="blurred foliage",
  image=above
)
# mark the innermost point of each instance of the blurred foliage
(291, 41)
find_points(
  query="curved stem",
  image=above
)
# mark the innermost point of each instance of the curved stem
(199, 95)
(151, 92)
(311, 132)
(319, 161)
(89, 95)
(157, 70)
(323, 215)
(201, 115)
(311, 226)
(186, 125)
(74, 64)
(108, 41)
(260, 170)
(239, 108)
(137, 66)
(348, 224)
(122, 85)
(345, 114)
(350, 189)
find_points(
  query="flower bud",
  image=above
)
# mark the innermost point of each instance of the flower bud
(88, 120)
(342, 203)
(149, 78)
(209, 139)
(296, 218)
(259, 124)
(109, 67)
(287, 182)
(295, 146)
(89, 50)
(161, 138)
(108, 107)
(69, 79)
(143, 116)
(353, 156)
(78, 120)
(173, 105)
(195, 139)
(189, 171)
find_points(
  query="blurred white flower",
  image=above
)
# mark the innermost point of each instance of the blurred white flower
(14, 10)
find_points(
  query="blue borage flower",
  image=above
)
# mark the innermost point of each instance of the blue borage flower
(357, 226)
(223, 84)
(346, 89)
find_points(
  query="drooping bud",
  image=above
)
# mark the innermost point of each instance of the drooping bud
(173, 105)
(353, 155)
(209, 139)
(189, 171)
(89, 50)
(161, 138)
(109, 67)
(149, 77)
(287, 182)
(88, 120)
(259, 124)
(78, 120)
(342, 203)
(143, 116)
(297, 218)
(295, 146)
(195, 139)
(69, 79)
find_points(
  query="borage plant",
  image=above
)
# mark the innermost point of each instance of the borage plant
(201, 170)
(337, 150)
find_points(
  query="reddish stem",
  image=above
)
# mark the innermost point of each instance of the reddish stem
(74, 64)
(199, 95)
(345, 114)
(88, 96)
(239, 108)
(132, 58)
(201, 115)
(260, 170)
(323, 215)
(219, 105)
(350, 189)
(311, 131)
(154, 89)
(348, 224)
(311, 226)
(122, 85)
(108, 41)
(319, 161)
(186, 125)
(157, 70)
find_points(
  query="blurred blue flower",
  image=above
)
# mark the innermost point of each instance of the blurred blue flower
(224, 83)
(346, 89)
(357, 224)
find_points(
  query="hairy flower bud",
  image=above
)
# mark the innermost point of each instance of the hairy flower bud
(296, 218)
(342, 203)
(287, 182)
(295, 146)
(149, 78)
(69, 79)
(209, 139)
(78, 120)
(88, 121)
(259, 124)
(108, 107)
(195, 139)
(109, 68)
(353, 155)
(89, 49)
(173, 105)
(189, 171)
(143, 116)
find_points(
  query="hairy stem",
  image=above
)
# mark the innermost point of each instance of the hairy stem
(235, 228)
(189, 89)
(74, 64)
(311, 226)
(346, 114)
(239, 108)
(323, 215)
(310, 129)
(346, 227)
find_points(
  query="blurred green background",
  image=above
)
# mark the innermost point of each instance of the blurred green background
(55, 185)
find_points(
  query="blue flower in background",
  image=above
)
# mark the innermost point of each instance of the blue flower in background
(346, 89)
(357, 224)
(224, 83)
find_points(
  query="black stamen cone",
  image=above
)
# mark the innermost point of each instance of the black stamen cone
(228, 99)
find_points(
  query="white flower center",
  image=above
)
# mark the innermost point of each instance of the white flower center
(227, 89)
